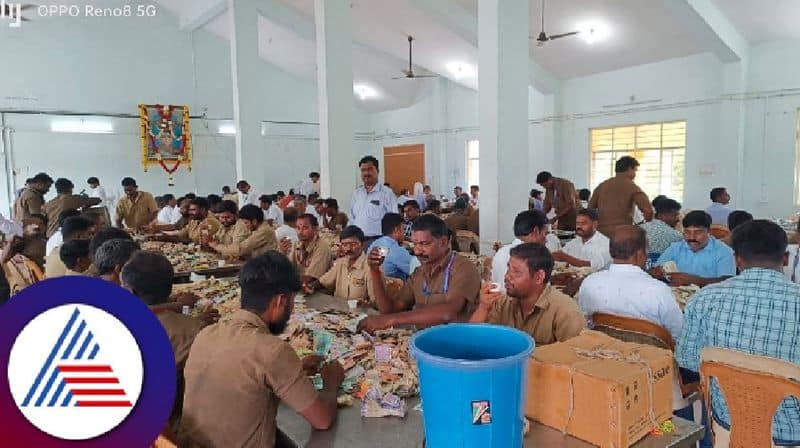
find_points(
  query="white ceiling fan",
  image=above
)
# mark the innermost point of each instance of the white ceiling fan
(409, 74)
(544, 38)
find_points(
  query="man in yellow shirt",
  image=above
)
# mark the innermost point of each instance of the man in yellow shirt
(261, 237)
(231, 230)
(311, 256)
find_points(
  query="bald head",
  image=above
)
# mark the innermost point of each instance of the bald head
(629, 245)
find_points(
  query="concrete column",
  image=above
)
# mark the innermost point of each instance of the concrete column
(503, 30)
(438, 151)
(338, 170)
(732, 129)
(245, 62)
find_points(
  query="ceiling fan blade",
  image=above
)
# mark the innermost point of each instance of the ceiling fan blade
(559, 36)
(24, 7)
(426, 76)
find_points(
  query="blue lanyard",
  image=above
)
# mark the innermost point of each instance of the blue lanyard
(426, 291)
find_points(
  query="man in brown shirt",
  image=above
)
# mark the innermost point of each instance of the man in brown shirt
(33, 244)
(310, 255)
(137, 209)
(614, 198)
(333, 219)
(202, 224)
(260, 238)
(349, 277)
(239, 371)
(530, 303)
(31, 201)
(74, 228)
(65, 201)
(560, 195)
(444, 289)
(231, 229)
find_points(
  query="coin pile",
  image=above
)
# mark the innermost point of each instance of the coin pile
(184, 257)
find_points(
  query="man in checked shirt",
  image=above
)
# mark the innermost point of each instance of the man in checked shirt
(756, 312)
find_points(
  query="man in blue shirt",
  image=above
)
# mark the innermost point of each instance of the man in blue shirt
(701, 259)
(756, 312)
(718, 210)
(371, 201)
(397, 263)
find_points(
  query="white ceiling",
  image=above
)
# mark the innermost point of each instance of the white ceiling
(640, 32)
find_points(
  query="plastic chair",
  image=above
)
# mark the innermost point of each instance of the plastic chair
(719, 231)
(465, 240)
(754, 387)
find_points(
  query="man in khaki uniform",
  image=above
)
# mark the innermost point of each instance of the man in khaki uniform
(74, 228)
(310, 255)
(137, 209)
(333, 219)
(31, 201)
(615, 198)
(261, 237)
(442, 290)
(239, 371)
(349, 277)
(530, 303)
(202, 224)
(231, 230)
(64, 201)
(560, 195)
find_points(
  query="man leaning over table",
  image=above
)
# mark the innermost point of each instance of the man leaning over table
(589, 248)
(259, 240)
(443, 289)
(202, 224)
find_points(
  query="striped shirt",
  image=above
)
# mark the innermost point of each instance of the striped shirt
(756, 312)
(660, 235)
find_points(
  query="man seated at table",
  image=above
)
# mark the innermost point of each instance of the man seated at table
(434, 207)
(111, 256)
(590, 248)
(756, 312)
(661, 230)
(410, 214)
(530, 304)
(625, 289)
(333, 219)
(75, 228)
(349, 277)
(183, 210)
(239, 371)
(202, 223)
(75, 256)
(273, 215)
(397, 262)
(311, 256)
(530, 226)
(260, 238)
(443, 289)
(701, 259)
(289, 227)
(231, 230)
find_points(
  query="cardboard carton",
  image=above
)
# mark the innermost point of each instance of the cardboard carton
(599, 389)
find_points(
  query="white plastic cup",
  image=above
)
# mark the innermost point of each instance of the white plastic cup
(383, 251)
(495, 287)
(220, 263)
(352, 304)
(187, 310)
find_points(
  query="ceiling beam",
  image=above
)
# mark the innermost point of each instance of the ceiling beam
(287, 17)
(465, 25)
(202, 17)
(704, 21)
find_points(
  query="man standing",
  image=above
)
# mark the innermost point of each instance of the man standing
(397, 263)
(371, 200)
(756, 312)
(137, 209)
(474, 192)
(625, 289)
(530, 303)
(661, 230)
(719, 209)
(98, 191)
(31, 200)
(530, 226)
(615, 198)
(64, 200)
(311, 256)
(228, 195)
(444, 289)
(248, 194)
(560, 196)
(310, 185)
(333, 218)
(590, 248)
(701, 259)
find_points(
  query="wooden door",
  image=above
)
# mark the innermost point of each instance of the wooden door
(403, 166)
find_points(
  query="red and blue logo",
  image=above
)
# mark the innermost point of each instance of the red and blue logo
(88, 364)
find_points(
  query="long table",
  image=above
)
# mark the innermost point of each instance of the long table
(352, 431)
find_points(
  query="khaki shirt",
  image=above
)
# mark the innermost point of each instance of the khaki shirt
(53, 266)
(236, 376)
(350, 281)
(614, 200)
(194, 230)
(231, 197)
(256, 243)
(339, 220)
(313, 259)
(555, 317)
(232, 234)
(139, 212)
(562, 197)
(29, 202)
(464, 281)
(35, 249)
(62, 202)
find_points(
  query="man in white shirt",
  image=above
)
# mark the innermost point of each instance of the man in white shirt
(287, 230)
(590, 247)
(248, 194)
(170, 213)
(301, 204)
(719, 209)
(371, 201)
(625, 289)
(474, 192)
(272, 213)
(530, 226)
(310, 185)
(98, 191)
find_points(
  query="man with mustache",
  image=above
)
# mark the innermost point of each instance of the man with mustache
(239, 371)
(530, 304)
(311, 256)
(444, 289)
(201, 225)
(371, 201)
(260, 236)
(701, 259)
(590, 248)
(530, 226)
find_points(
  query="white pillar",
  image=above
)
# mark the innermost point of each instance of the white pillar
(338, 160)
(245, 61)
(503, 103)
(438, 152)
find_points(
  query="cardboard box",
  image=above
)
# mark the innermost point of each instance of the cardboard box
(597, 388)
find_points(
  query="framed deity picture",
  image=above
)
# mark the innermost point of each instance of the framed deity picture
(166, 138)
